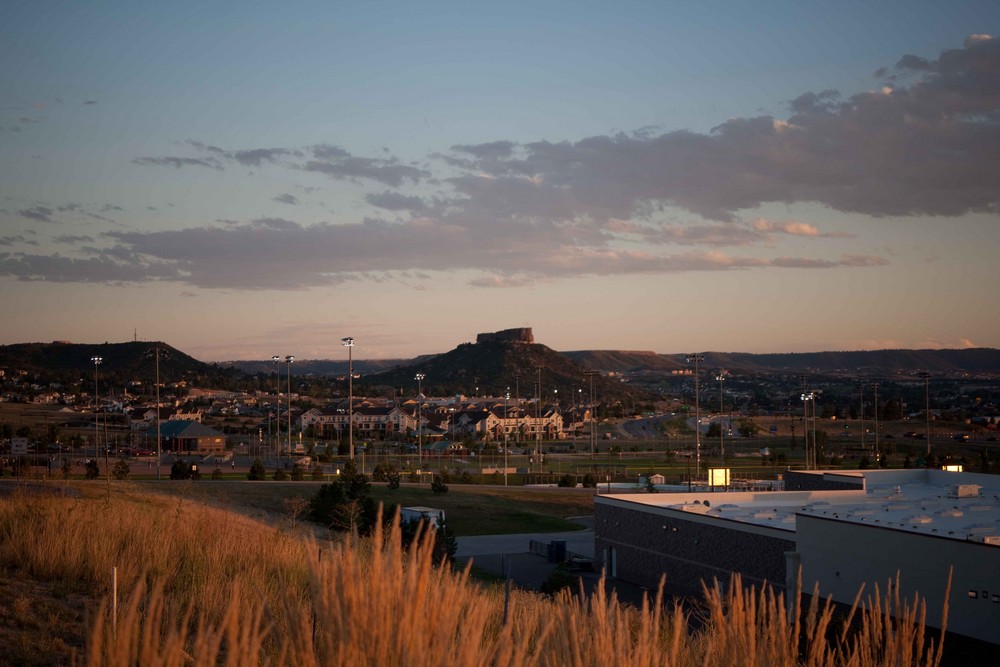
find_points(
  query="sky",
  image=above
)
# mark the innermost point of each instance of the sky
(244, 179)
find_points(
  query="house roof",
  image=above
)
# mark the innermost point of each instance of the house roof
(186, 429)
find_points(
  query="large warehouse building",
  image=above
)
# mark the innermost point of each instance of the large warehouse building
(844, 529)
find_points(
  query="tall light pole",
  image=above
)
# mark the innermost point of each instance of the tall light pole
(721, 377)
(538, 417)
(517, 408)
(810, 453)
(277, 410)
(927, 409)
(878, 453)
(506, 446)
(593, 439)
(349, 344)
(420, 427)
(156, 355)
(97, 399)
(697, 359)
(861, 415)
(288, 363)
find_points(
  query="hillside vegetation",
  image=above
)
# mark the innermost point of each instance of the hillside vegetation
(203, 586)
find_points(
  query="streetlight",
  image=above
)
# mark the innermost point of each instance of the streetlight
(420, 430)
(97, 427)
(277, 410)
(349, 344)
(810, 456)
(722, 447)
(861, 388)
(878, 453)
(506, 446)
(538, 418)
(156, 354)
(696, 358)
(927, 409)
(288, 362)
(593, 439)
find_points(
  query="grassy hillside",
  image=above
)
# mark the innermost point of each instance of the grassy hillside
(201, 585)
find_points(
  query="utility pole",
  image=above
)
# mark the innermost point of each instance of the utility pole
(697, 358)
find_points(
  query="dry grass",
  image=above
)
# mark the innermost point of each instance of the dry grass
(206, 587)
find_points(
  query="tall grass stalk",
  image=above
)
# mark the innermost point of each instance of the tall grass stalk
(207, 587)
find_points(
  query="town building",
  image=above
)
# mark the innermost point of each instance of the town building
(844, 529)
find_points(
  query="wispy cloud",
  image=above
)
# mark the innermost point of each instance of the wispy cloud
(178, 162)
(510, 212)
(39, 213)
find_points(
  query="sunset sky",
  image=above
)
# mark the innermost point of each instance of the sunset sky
(243, 179)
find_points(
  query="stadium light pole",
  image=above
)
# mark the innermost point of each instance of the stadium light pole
(721, 377)
(927, 409)
(593, 439)
(806, 399)
(861, 414)
(288, 363)
(538, 418)
(348, 342)
(156, 354)
(97, 398)
(277, 410)
(697, 359)
(420, 431)
(878, 453)
(506, 445)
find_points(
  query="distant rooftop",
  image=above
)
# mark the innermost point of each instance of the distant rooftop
(960, 506)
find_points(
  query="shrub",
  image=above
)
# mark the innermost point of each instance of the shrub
(257, 471)
(568, 481)
(559, 579)
(121, 469)
(298, 472)
(589, 481)
(438, 485)
(392, 480)
(280, 475)
(217, 473)
(184, 470)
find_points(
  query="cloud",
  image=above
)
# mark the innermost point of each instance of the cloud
(646, 202)
(395, 201)
(388, 171)
(178, 162)
(39, 213)
(71, 239)
(923, 149)
(16, 240)
(59, 269)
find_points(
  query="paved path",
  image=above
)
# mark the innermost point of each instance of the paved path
(579, 541)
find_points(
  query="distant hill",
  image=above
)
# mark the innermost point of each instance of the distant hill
(495, 365)
(125, 361)
(872, 361)
(319, 366)
(491, 364)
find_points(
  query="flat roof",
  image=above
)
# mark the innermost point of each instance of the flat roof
(961, 506)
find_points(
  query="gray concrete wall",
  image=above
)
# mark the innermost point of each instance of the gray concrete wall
(842, 556)
(650, 542)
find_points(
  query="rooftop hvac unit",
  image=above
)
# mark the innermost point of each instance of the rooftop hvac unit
(966, 491)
